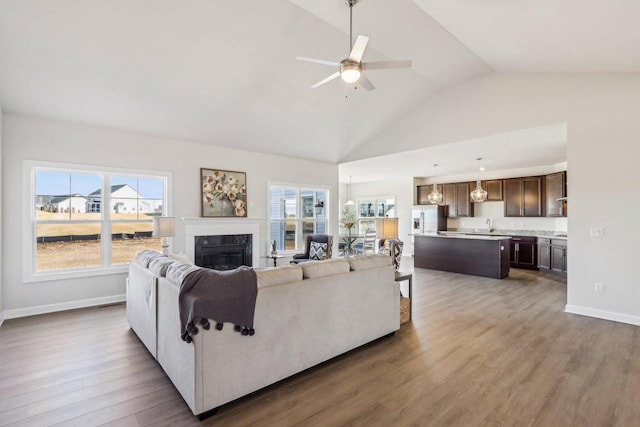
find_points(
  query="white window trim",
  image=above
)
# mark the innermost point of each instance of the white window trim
(29, 273)
(298, 219)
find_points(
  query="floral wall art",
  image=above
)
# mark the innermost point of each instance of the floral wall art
(224, 193)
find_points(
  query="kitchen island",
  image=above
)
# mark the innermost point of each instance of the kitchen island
(478, 255)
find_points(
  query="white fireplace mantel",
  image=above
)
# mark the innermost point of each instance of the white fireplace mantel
(192, 227)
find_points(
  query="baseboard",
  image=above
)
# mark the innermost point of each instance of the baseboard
(603, 314)
(70, 305)
(1, 317)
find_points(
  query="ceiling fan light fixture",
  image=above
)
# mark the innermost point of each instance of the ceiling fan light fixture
(350, 71)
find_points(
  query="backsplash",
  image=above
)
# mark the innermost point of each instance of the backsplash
(495, 211)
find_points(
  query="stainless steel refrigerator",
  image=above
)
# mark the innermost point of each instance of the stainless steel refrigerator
(428, 219)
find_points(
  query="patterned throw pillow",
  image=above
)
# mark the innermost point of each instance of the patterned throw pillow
(317, 250)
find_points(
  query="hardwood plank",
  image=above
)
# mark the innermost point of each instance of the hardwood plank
(479, 352)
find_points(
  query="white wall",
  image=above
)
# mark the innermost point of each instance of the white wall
(26, 138)
(1, 223)
(602, 153)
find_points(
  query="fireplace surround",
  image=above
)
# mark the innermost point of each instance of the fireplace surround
(223, 252)
(189, 228)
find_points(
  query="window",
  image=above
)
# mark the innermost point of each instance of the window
(78, 227)
(294, 213)
(374, 207)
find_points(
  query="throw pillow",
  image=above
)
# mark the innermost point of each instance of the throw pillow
(317, 251)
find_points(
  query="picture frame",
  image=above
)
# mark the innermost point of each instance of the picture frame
(223, 193)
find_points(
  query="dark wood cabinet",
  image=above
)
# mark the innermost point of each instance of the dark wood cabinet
(457, 199)
(556, 187)
(449, 199)
(544, 254)
(464, 206)
(493, 187)
(524, 197)
(524, 252)
(423, 191)
(422, 196)
(552, 255)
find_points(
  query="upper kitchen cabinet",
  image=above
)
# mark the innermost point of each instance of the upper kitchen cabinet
(556, 187)
(457, 199)
(524, 197)
(493, 187)
(423, 192)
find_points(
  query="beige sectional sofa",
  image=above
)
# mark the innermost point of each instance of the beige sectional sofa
(305, 314)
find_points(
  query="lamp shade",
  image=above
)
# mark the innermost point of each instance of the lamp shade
(387, 228)
(163, 226)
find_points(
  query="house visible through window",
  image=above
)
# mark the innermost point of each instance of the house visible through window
(294, 213)
(72, 230)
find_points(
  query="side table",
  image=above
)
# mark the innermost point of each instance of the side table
(400, 277)
(275, 258)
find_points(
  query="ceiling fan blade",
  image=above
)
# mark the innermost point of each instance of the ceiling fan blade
(318, 61)
(328, 79)
(366, 83)
(381, 65)
(358, 48)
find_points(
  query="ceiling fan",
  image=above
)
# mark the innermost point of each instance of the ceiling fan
(350, 69)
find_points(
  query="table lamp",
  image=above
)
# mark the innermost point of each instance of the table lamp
(387, 228)
(164, 227)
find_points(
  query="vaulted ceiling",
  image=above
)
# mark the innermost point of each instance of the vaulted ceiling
(224, 73)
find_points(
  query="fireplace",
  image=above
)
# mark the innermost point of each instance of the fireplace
(223, 252)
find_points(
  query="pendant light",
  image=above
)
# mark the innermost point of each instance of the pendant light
(435, 197)
(349, 201)
(478, 195)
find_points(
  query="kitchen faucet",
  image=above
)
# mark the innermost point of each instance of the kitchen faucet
(489, 223)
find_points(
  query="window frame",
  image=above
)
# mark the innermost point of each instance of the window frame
(29, 243)
(299, 219)
(376, 201)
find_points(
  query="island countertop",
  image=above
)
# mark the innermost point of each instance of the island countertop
(457, 235)
(486, 256)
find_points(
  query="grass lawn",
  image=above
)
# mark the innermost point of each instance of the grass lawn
(87, 253)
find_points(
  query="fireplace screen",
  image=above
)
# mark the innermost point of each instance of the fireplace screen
(223, 252)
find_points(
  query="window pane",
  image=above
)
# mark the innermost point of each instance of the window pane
(386, 208)
(313, 227)
(284, 233)
(277, 233)
(282, 203)
(151, 197)
(290, 235)
(124, 197)
(366, 209)
(64, 195)
(63, 246)
(128, 238)
(306, 199)
(321, 197)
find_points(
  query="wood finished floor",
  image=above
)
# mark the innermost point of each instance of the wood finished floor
(480, 352)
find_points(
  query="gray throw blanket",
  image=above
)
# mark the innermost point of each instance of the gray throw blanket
(223, 296)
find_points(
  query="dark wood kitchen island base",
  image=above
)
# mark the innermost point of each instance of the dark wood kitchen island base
(486, 256)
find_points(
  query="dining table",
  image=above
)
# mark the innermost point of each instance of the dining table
(349, 239)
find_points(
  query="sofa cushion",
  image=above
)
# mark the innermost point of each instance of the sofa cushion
(279, 275)
(366, 262)
(180, 256)
(177, 271)
(159, 265)
(329, 267)
(145, 256)
(317, 251)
